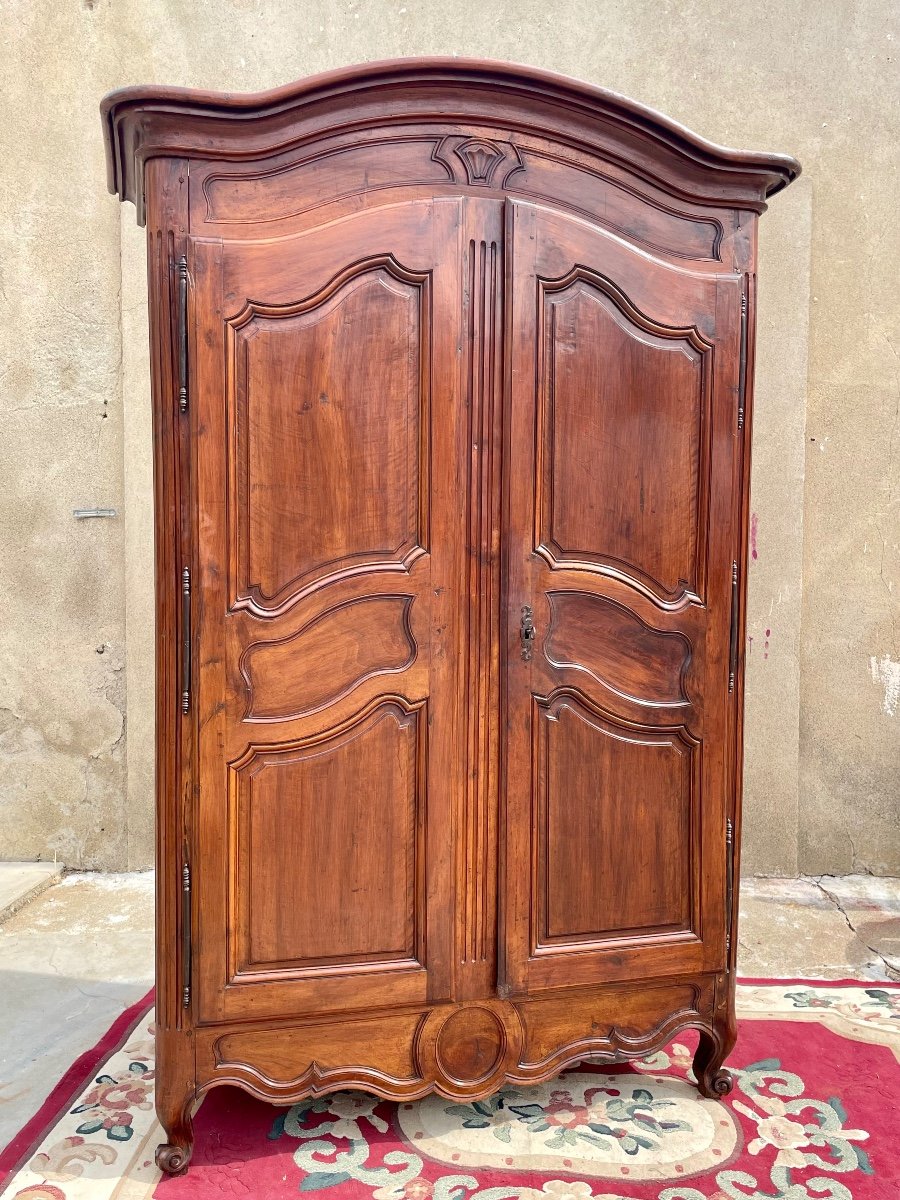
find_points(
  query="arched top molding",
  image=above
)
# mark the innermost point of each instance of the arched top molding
(141, 123)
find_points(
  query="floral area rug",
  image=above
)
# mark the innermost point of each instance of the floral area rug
(814, 1115)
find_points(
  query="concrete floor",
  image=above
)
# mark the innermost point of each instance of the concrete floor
(73, 958)
(70, 962)
(823, 927)
(22, 882)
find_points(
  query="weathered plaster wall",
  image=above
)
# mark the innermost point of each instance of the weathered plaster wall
(850, 681)
(823, 754)
(62, 636)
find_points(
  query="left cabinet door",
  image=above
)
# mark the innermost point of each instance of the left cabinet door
(328, 562)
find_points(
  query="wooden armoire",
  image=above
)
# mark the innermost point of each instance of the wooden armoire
(452, 371)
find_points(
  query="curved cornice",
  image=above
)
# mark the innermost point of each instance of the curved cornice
(147, 122)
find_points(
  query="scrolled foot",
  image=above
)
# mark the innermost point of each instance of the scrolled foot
(713, 1081)
(716, 1085)
(172, 1159)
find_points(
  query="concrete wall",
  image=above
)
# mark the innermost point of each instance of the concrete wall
(819, 81)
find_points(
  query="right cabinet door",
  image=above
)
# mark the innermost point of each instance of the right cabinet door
(623, 495)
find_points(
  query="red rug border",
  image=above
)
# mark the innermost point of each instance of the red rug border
(26, 1141)
(30, 1136)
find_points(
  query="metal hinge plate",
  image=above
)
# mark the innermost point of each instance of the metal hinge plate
(182, 333)
(186, 935)
(742, 377)
(185, 640)
(729, 884)
(733, 640)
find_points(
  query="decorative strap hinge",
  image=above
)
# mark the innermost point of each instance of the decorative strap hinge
(186, 935)
(742, 372)
(729, 884)
(182, 333)
(733, 640)
(185, 640)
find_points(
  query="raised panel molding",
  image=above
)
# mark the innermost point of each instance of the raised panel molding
(616, 828)
(379, 161)
(599, 1029)
(405, 157)
(621, 652)
(302, 185)
(295, 532)
(462, 1051)
(589, 191)
(310, 1056)
(643, 520)
(306, 801)
(328, 658)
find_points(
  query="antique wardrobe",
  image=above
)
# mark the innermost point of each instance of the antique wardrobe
(452, 369)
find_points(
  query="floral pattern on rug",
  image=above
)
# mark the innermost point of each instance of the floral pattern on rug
(587, 1124)
(595, 1133)
(869, 1008)
(114, 1099)
(84, 1155)
(881, 1003)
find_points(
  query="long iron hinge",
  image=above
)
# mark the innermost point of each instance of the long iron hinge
(742, 375)
(185, 640)
(732, 648)
(182, 333)
(186, 935)
(729, 884)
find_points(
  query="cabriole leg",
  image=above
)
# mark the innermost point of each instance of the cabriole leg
(173, 1155)
(175, 1096)
(712, 1080)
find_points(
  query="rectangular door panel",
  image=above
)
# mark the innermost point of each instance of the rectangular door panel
(596, 782)
(620, 491)
(365, 907)
(328, 585)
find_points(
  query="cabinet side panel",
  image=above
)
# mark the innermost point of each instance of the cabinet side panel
(166, 191)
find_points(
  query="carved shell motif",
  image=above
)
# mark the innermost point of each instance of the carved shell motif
(481, 158)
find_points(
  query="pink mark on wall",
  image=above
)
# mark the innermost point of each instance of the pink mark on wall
(766, 646)
(754, 529)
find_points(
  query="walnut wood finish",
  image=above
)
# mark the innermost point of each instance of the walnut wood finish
(452, 369)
